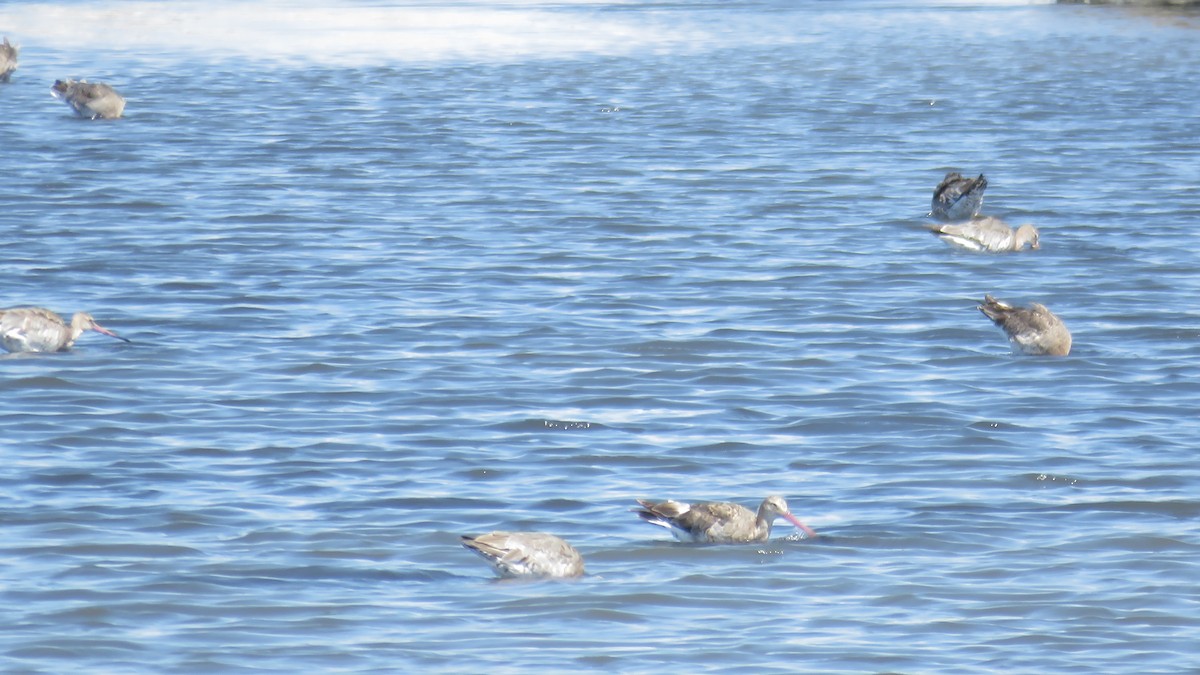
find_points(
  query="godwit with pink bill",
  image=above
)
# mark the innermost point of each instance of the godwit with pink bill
(33, 329)
(719, 522)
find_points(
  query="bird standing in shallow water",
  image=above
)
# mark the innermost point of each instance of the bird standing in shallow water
(33, 329)
(718, 522)
(527, 554)
(88, 99)
(987, 234)
(8, 59)
(957, 198)
(1032, 330)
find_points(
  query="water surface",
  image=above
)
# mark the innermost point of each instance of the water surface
(396, 273)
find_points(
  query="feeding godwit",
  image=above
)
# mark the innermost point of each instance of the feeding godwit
(1032, 330)
(718, 522)
(987, 234)
(527, 554)
(89, 99)
(957, 198)
(33, 329)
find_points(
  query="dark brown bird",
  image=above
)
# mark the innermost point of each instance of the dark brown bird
(957, 198)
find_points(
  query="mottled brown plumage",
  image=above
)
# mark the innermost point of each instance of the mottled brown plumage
(718, 522)
(93, 100)
(1032, 330)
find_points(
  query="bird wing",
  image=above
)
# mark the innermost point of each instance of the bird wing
(717, 520)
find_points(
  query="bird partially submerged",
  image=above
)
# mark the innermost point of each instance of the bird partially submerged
(527, 554)
(1031, 330)
(987, 234)
(8, 59)
(957, 198)
(91, 100)
(33, 329)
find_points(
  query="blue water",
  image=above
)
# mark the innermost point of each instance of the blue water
(395, 273)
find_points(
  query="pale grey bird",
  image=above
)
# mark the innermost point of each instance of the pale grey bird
(1031, 330)
(957, 198)
(718, 522)
(92, 100)
(33, 329)
(987, 234)
(527, 554)
(8, 59)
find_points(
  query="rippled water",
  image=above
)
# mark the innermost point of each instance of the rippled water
(399, 273)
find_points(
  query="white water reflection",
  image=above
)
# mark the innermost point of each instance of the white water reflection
(330, 34)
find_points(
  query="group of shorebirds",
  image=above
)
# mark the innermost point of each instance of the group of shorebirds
(92, 100)
(539, 554)
(956, 204)
(1032, 330)
(34, 329)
